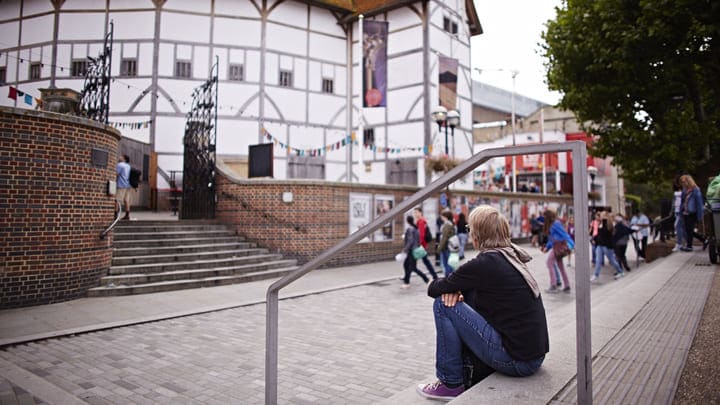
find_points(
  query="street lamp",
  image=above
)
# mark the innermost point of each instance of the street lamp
(592, 171)
(449, 118)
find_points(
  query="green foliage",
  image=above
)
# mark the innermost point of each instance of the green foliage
(644, 75)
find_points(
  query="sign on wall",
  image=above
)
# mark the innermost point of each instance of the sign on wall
(374, 73)
(448, 82)
(360, 214)
(383, 204)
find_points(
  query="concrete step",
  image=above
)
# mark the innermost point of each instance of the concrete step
(191, 265)
(185, 284)
(189, 240)
(169, 227)
(133, 222)
(172, 235)
(185, 257)
(190, 248)
(195, 274)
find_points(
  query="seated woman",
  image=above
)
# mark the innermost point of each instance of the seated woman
(491, 304)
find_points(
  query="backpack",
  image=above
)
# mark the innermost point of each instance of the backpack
(134, 177)
(428, 234)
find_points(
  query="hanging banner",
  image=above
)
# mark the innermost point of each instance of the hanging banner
(374, 74)
(448, 82)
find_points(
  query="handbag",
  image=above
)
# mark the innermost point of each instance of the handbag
(419, 252)
(560, 249)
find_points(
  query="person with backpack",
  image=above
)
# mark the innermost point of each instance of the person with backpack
(425, 238)
(492, 305)
(122, 196)
(447, 231)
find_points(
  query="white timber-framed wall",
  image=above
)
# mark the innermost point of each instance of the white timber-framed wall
(257, 39)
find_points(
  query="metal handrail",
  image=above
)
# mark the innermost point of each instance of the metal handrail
(110, 228)
(578, 150)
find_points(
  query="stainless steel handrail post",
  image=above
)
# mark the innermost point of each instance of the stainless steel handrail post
(110, 228)
(582, 283)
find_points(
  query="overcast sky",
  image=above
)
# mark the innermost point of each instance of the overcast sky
(510, 38)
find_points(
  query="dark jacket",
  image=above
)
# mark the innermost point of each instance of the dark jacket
(604, 236)
(412, 239)
(499, 293)
(620, 234)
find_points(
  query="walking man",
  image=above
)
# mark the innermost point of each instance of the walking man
(122, 198)
(423, 229)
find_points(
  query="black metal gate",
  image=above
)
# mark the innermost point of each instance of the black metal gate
(95, 95)
(198, 200)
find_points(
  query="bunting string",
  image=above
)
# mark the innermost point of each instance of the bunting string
(16, 94)
(348, 140)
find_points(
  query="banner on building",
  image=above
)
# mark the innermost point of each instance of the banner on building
(375, 35)
(448, 82)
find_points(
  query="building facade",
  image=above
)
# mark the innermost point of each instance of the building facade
(289, 73)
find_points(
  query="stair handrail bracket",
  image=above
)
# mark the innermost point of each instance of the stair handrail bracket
(578, 152)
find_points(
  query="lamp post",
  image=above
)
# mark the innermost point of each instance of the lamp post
(592, 171)
(449, 118)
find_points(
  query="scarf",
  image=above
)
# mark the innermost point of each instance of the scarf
(517, 256)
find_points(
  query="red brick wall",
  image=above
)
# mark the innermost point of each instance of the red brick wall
(53, 206)
(317, 219)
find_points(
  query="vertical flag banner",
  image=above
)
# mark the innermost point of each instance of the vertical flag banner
(448, 82)
(374, 75)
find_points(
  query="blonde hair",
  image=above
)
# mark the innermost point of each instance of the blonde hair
(688, 181)
(488, 228)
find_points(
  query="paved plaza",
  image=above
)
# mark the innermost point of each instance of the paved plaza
(362, 341)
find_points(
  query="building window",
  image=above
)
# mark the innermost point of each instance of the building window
(306, 167)
(450, 26)
(369, 136)
(128, 67)
(35, 71)
(236, 72)
(78, 68)
(327, 86)
(286, 78)
(3, 75)
(183, 68)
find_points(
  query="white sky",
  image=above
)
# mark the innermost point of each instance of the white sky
(510, 40)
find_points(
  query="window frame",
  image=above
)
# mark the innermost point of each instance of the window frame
(328, 85)
(288, 80)
(186, 68)
(3, 75)
(35, 66)
(234, 76)
(124, 62)
(74, 66)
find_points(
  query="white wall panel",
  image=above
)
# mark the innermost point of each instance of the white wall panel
(272, 66)
(403, 17)
(286, 39)
(404, 70)
(235, 8)
(290, 102)
(223, 63)
(83, 5)
(340, 81)
(37, 29)
(315, 76)
(131, 25)
(403, 102)
(81, 26)
(230, 31)
(169, 135)
(300, 69)
(166, 63)
(145, 59)
(237, 56)
(404, 40)
(184, 27)
(125, 4)
(188, 5)
(121, 97)
(79, 51)
(9, 33)
(235, 94)
(32, 7)
(322, 20)
(322, 108)
(327, 48)
(183, 52)
(63, 60)
(201, 66)
(252, 66)
(291, 13)
(234, 137)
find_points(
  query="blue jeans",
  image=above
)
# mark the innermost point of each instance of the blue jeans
(458, 324)
(463, 241)
(679, 230)
(444, 256)
(607, 252)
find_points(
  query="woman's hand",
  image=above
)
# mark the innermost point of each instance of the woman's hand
(450, 299)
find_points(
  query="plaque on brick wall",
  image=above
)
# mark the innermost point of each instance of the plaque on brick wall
(99, 157)
(260, 163)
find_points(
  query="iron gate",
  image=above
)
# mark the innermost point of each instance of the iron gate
(95, 95)
(198, 200)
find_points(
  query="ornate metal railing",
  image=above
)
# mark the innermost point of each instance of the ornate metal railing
(198, 200)
(95, 95)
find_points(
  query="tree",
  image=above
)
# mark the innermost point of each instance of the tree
(644, 75)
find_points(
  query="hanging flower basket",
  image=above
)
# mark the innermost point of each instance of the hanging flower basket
(440, 164)
(594, 196)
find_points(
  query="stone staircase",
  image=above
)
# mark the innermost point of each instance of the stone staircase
(154, 256)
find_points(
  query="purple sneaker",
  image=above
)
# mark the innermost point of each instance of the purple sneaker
(438, 390)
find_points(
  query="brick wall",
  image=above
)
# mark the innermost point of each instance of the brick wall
(317, 218)
(53, 206)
